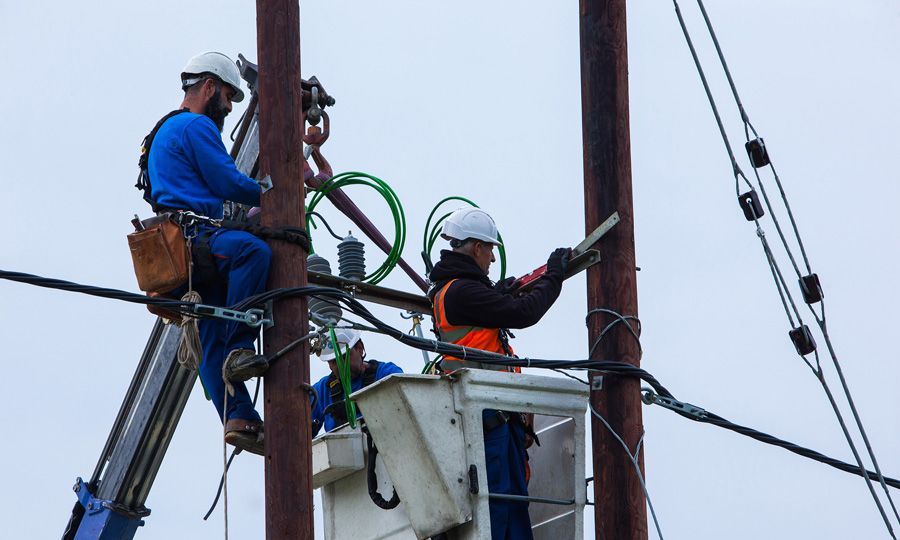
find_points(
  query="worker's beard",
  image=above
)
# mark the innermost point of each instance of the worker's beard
(216, 111)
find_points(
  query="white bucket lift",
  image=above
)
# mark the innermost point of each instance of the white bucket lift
(430, 439)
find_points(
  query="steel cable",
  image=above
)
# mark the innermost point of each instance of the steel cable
(779, 279)
(633, 457)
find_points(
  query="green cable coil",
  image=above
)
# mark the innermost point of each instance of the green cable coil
(433, 232)
(358, 178)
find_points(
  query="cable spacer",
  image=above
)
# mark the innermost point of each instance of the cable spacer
(803, 340)
(751, 206)
(756, 149)
(812, 289)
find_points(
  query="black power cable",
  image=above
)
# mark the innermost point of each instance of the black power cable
(356, 307)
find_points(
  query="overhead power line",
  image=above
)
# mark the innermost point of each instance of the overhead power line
(809, 283)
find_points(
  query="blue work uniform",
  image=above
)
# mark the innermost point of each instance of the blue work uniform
(506, 458)
(323, 391)
(191, 170)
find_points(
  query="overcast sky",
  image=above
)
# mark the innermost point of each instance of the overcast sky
(481, 99)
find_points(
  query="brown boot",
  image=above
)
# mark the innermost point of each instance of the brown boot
(243, 365)
(246, 435)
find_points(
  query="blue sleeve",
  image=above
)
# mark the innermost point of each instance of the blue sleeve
(203, 145)
(387, 368)
(318, 411)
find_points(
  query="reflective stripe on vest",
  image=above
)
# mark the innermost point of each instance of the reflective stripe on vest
(475, 337)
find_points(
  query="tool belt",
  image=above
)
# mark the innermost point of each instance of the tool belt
(160, 254)
(498, 418)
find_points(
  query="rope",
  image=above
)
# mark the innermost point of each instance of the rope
(225, 464)
(190, 350)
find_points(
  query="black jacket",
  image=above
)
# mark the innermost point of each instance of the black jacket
(474, 300)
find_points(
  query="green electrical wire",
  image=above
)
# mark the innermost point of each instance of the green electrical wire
(383, 189)
(433, 232)
(344, 376)
(430, 365)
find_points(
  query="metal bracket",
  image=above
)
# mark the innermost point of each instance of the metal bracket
(582, 262)
(597, 382)
(598, 233)
(265, 183)
(526, 498)
(269, 316)
(252, 317)
(649, 397)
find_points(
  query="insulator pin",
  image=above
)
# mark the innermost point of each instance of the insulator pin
(319, 308)
(352, 259)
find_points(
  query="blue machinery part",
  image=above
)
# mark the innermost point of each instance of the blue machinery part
(104, 519)
(111, 504)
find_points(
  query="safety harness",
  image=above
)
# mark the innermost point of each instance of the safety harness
(200, 229)
(143, 181)
(336, 409)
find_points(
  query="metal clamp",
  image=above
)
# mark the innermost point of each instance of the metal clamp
(265, 183)
(252, 317)
(649, 397)
(186, 218)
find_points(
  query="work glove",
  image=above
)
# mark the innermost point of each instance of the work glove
(504, 286)
(559, 261)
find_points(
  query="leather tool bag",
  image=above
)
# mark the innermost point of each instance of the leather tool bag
(160, 255)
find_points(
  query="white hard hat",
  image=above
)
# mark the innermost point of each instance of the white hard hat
(345, 336)
(468, 223)
(219, 65)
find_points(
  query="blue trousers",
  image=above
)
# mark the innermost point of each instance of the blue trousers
(243, 262)
(504, 452)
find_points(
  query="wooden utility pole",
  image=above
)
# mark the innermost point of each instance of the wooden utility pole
(620, 509)
(289, 504)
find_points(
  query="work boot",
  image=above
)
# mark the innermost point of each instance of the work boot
(246, 435)
(244, 364)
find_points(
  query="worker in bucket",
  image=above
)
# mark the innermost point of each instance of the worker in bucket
(329, 409)
(470, 310)
(190, 170)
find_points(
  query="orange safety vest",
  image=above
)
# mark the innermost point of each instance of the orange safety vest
(475, 337)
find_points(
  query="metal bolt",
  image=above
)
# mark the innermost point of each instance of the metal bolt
(453, 421)
(90, 505)
(75, 487)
